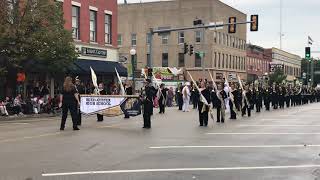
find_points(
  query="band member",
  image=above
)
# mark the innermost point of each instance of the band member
(186, 97)
(179, 96)
(267, 98)
(194, 96)
(247, 100)
(202, 107)
(69, 101)
(129, 91)
(162, 94)
(147, 94)
(274, 97)
(232, 102)
(80, 90)
(259, 97)
(221, 107)
(102, 91)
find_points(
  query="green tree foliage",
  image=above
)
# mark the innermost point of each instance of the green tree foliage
(33, 36)
(277, 76)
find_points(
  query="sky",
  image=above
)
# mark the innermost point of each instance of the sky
(300, 19)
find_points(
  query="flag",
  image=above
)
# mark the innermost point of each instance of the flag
(120, 82)
(94, 80)
(310, 41)
(202, 98)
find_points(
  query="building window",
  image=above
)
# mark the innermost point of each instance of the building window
(119, 40)
(93, 26)
(223, 61)
(165, 62)
(75, 22)
(220, 37)
(133, 39)
(227, 40)
(233, 62)
(215, 37)
(197, 60)
(165, 39)
(180, 37)
(215, 59)
(148, 38)
(219, 61)
(107, 29)
(198, 36)
(227, 61)
(181, 60)
(230, 62)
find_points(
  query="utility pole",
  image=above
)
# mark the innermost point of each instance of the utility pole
(281, 24)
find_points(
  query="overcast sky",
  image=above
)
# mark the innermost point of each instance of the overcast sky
(301, 18)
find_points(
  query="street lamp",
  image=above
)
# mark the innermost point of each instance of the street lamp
(133, 53)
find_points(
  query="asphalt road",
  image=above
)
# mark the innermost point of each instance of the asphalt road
(281, 144)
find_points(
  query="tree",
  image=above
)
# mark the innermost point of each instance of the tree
(277, 76)
(32, 34)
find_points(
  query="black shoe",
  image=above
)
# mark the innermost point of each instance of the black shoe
(200, 125)
(61, 129)
(218, 121)
(76, 129)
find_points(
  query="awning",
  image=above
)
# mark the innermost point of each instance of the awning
(82, 66)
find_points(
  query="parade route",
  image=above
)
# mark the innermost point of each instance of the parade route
(264, 146)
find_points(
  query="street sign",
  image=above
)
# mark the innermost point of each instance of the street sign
(304, 75)
(274, 66)
(201, 54)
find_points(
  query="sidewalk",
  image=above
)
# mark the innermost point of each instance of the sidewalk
(28, 116)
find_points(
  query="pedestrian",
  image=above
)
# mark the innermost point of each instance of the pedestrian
(202, 107)
(102, 91)
(69, 101)
(146, 97)
(186, 97)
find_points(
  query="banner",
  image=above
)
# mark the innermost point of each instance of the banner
(110, 105)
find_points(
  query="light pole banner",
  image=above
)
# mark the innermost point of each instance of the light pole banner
(110, 105)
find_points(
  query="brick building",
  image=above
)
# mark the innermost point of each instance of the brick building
(223, 52)
(258, 61)
(94, 28)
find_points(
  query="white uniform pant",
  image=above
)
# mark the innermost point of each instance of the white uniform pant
(186, 102)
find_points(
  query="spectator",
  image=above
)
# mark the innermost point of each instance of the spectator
(45, 93)
(170, 97)
(17, 105)
(36, 107)
(36, 90)
(3, 109)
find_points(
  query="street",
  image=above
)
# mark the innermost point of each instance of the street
(281, 144)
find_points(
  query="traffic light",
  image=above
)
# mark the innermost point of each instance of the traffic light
(232, 26)
(150, 72)
(185, 48)
(254, 23)
(191, 50)
(308, 52)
